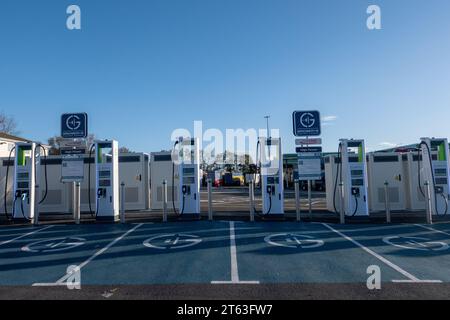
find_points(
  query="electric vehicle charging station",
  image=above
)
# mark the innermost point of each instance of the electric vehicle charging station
(435, 170)
(351, 173)
(27, 160)
(24, 182)
(106, 180)
(187, 156)
(271, 173)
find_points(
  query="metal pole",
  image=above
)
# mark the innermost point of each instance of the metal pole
(309, 199)
(297, 199)
(74, 200)
(165, 201)
(77, 202)
(341, 203)
(387, 202)
(267, 122)
(122, 202)
(36, 206)
(429, 205)
(210, 210)
(252, 200)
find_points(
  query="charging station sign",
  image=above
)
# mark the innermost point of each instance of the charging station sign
(309, 163)
(72, 168)
(306, 123)
(74, 125)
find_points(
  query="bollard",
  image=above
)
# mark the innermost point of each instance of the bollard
(210, 210)
(387, 202)
(341, 203)
(309, 200)
(164, 200)
(77, 206)
(74, 200)
(122, 202)
(297, 199)
(251, 192)
(36, 208)
(429, 205)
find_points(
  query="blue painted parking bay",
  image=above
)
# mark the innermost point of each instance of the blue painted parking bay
(272, 253)
(223, 252)
(421, 250)
(43, 254)
(189, 252)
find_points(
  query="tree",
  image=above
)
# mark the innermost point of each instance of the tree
(55, 144)
(124, 150)
(8, 124)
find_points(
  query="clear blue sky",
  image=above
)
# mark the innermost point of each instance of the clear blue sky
(142, 68)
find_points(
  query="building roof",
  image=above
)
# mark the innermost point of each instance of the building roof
(405, 148)
(13, 138)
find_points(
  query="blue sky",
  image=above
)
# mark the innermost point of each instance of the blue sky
(142, 68)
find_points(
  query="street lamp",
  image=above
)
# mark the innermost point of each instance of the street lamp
(267, 123)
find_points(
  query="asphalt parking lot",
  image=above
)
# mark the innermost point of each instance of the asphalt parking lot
(222, 259)
(236, 200)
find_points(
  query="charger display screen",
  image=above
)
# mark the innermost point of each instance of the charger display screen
(104, 174)
(357, 182)
(22, 176)
(188, 171)
(22, 185)
(104, 183)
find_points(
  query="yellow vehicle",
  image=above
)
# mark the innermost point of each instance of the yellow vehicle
(232, 179)
(238, 179)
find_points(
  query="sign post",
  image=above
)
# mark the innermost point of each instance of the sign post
(306, 124)
(74, 130)
(77, 208)
(297, 199)
(309, 168)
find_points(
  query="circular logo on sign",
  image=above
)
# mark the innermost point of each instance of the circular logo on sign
(54, 245)
(73, 122)
(172, 241)
(307, 120)
(293, 240)
(415, 243)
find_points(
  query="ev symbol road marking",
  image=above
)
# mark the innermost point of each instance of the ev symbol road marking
(172, 241)
(293, 240)
(73, 122)
(307, 120)
(54, 245)
(415, 243)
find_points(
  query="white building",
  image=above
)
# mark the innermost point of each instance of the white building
(7, 141)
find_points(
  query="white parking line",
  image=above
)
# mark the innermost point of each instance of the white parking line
(382, 259)
(82, 265)
(432, 229)
(375, 228)
(420, 281)
(24, 235)
(234, 264)
(7, 228)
